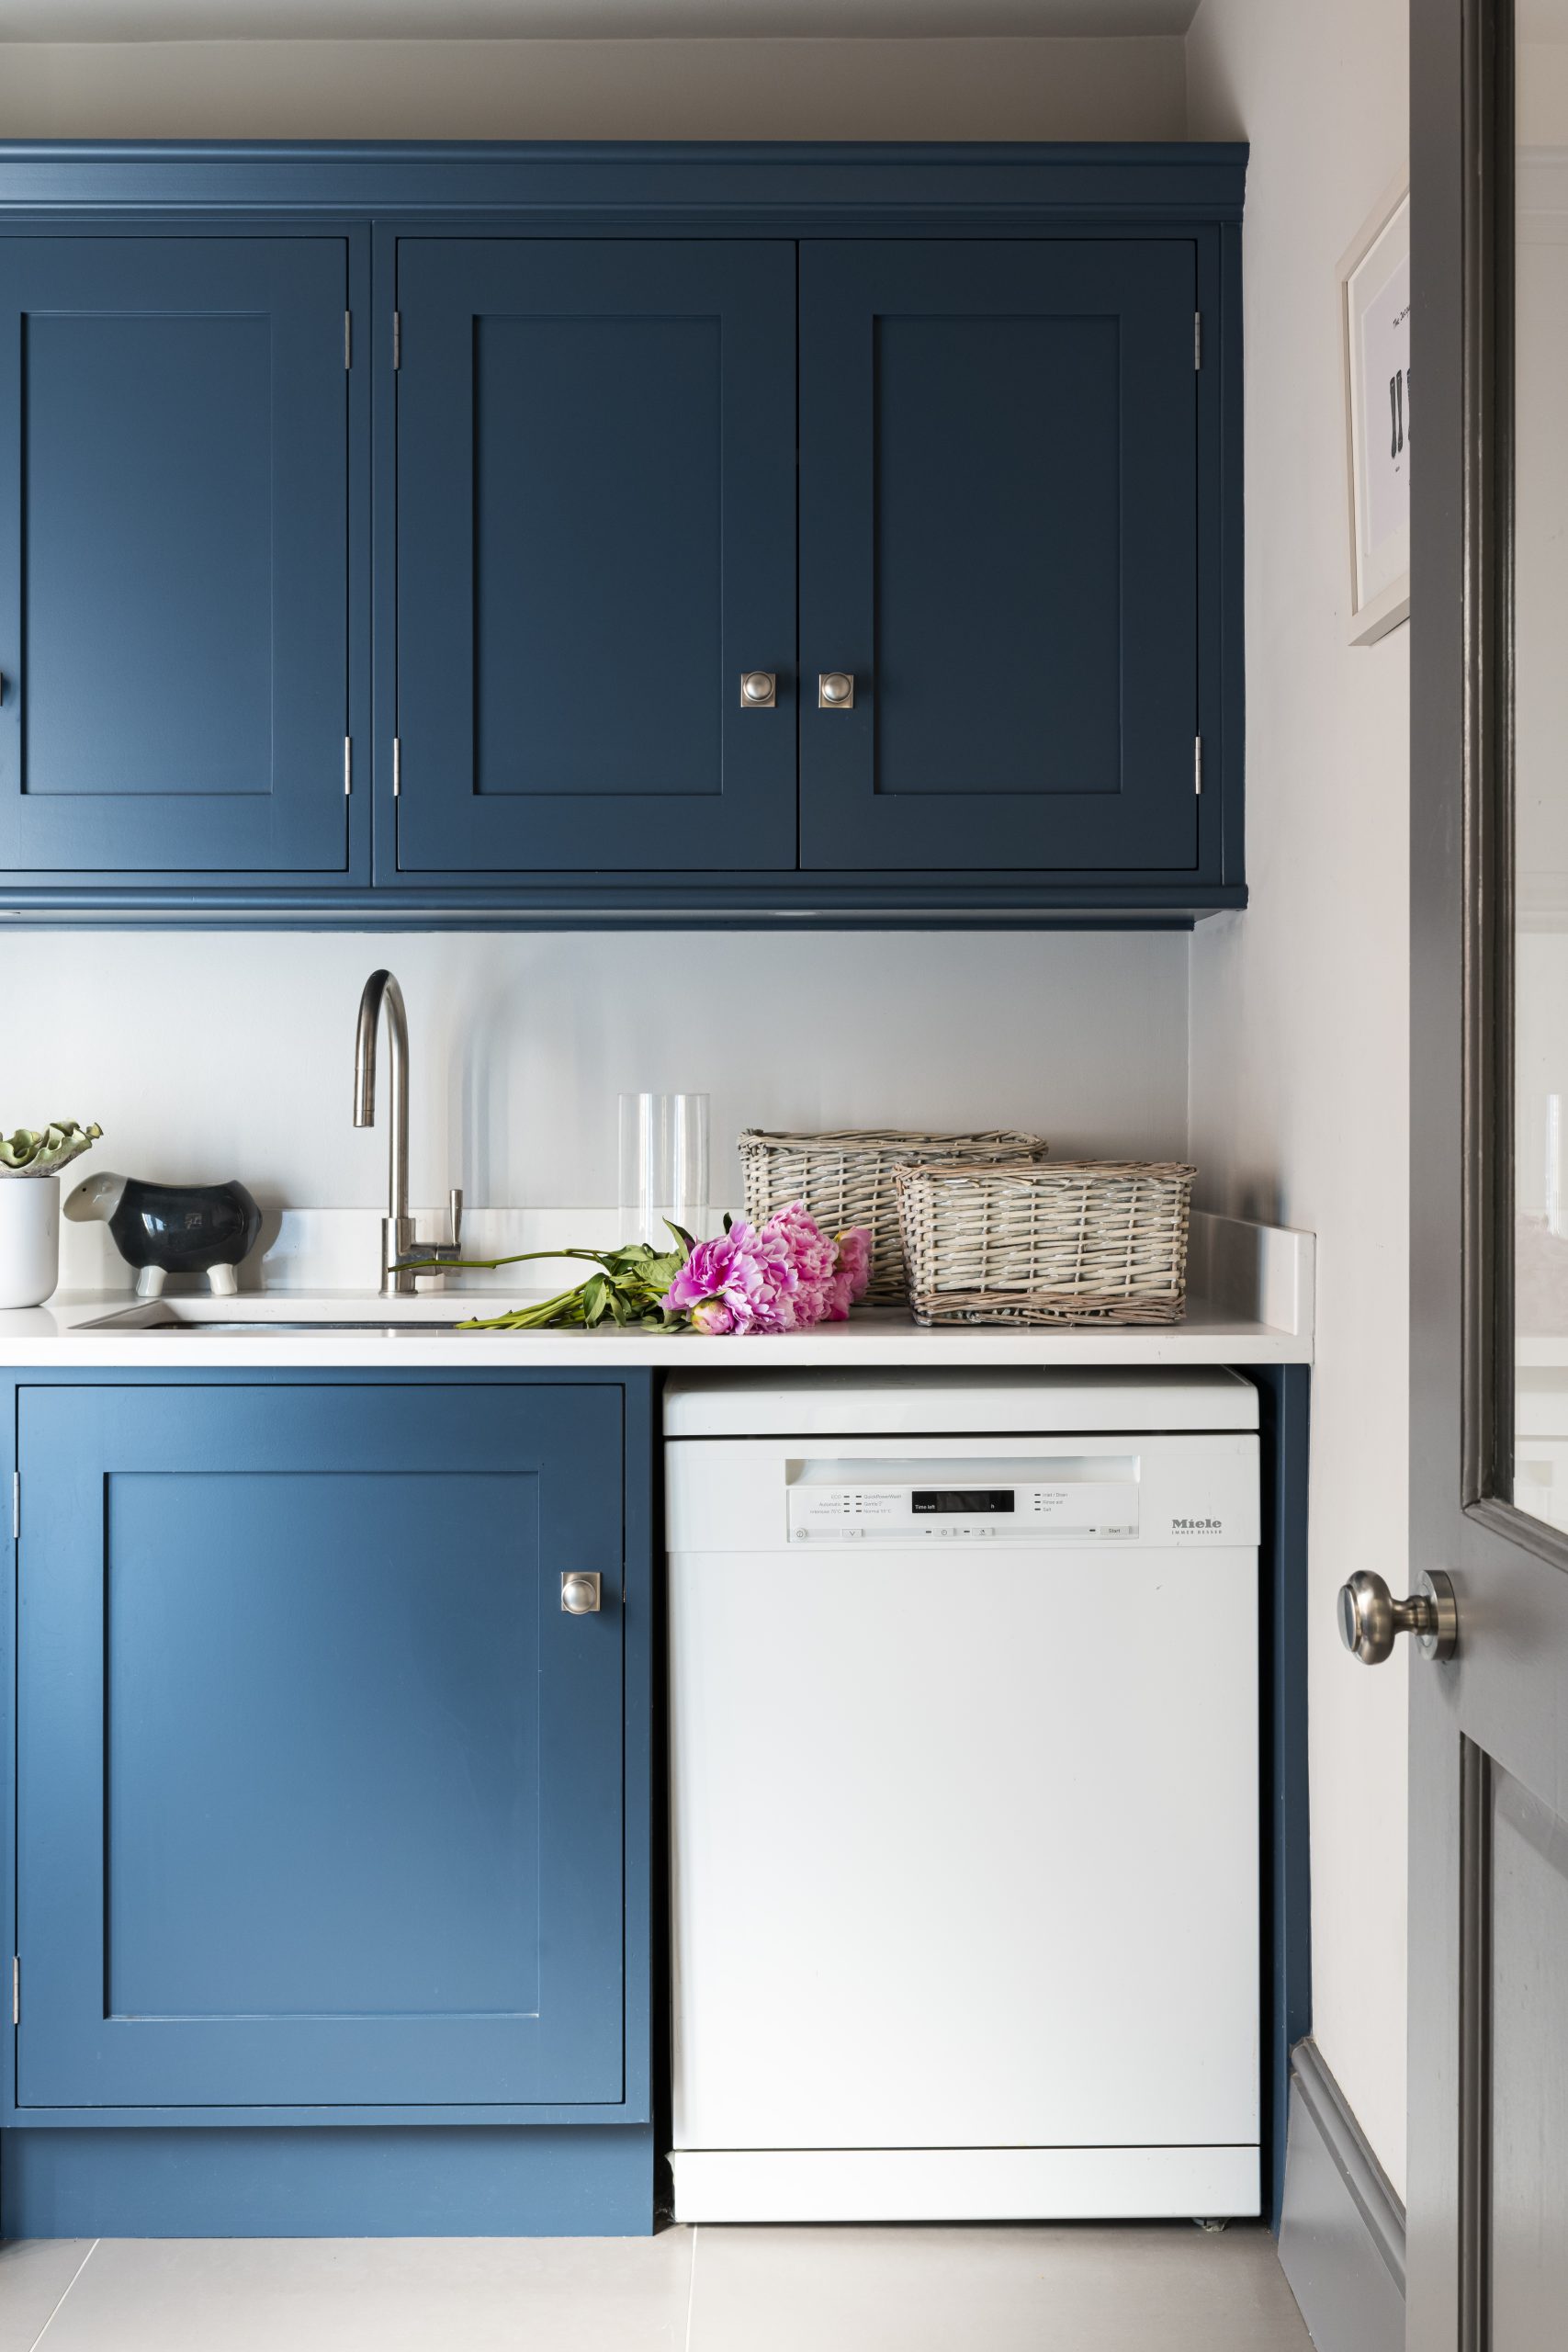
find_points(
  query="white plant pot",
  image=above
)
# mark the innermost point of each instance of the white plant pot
(30, 1240)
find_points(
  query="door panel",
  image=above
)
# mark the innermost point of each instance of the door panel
(998, 541)
(838, 1857)
(1541, 835)
(595, 539)
(604, 670)
(173, 554)
(1488, 2139)
(1528, 2120)
(320, 1788)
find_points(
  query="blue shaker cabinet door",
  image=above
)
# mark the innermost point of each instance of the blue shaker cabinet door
(595, 539)
(998, 544)
(319, 1789)
(173, 554)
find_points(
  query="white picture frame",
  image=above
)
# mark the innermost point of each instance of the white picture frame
(1374, 336)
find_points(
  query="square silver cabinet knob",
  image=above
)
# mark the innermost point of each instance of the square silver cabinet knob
(580, 1594)
(759, 689)
(835, 690)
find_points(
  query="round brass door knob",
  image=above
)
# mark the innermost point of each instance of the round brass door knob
(1371, 1620)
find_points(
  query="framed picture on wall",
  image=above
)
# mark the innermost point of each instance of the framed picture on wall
(1374, 324)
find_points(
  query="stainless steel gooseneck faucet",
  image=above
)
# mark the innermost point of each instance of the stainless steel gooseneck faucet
(398, 1236)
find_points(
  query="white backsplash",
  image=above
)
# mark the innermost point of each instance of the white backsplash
(210, 1055)
(340, 1249)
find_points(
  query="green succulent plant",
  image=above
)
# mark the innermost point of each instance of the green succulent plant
(44, 1151)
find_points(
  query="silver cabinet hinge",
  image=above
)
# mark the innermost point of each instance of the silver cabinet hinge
(1197, 338)
(396, 768)
(15, 1506)
(348, 338)
(1197, 763)
(348, 765)
(16, 1989)
(397, 338)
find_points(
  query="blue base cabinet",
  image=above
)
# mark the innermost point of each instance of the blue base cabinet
(327, 1811)
(467, 532)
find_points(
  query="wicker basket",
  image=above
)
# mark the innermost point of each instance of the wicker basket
(1064, 1241)
(846, 1178)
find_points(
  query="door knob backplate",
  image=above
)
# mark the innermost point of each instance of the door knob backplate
(1370, 1619)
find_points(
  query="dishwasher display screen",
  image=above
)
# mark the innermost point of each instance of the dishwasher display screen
(965, 1500)
(1058, 1498)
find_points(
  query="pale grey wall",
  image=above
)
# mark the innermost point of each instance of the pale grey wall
(1301, 1006)
(593, 89)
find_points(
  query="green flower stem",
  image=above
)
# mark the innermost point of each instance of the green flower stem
(489, 1265)
(628, 1287)
(537, 1317)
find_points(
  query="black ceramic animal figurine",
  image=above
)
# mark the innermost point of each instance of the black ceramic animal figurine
(172, 1228)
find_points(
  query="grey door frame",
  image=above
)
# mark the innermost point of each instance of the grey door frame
(1493, 1705)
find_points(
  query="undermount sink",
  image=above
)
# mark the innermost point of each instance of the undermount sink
(192, 1317)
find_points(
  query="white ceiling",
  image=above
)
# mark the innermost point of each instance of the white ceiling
(115, 20)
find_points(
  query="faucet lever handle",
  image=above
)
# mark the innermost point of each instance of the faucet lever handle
(455, 1215)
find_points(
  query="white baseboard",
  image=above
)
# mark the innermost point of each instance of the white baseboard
(1342, 2231)
(964, 2184)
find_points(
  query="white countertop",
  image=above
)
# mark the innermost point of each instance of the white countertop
(54, 1336)
(1250, 1303)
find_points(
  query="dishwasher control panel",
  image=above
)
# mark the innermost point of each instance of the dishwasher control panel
(1081, 1497)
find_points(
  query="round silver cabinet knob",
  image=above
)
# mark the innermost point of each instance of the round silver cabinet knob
(835, 690)
(580, 1595)
(759, 689)
(1370, 1619)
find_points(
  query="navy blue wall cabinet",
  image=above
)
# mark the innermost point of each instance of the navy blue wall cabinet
(998, 544)
(595, 539)
(327, 1811)
(175, 557)
(611, 401)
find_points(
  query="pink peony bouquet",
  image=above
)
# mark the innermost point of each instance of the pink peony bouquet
(781, 1276)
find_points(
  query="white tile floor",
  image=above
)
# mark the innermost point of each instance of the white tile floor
(1154, 2287)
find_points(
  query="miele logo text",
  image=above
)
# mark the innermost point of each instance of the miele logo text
(1195, 1526)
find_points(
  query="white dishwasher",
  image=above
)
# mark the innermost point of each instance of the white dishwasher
(964, 1795)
